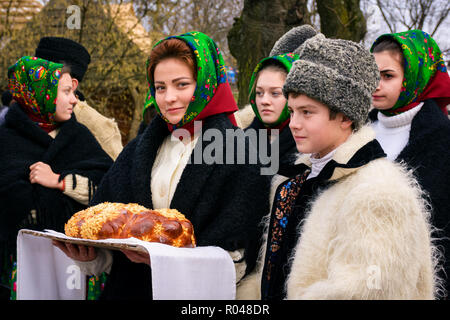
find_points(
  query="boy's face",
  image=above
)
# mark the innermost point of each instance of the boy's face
(389, 88)
(312, 129)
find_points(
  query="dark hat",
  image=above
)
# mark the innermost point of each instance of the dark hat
(57, 49)
(6, 98)
(293, 39)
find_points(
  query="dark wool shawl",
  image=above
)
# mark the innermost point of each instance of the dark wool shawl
(224, 202)
(288, 148)
(428, 154)
(74, 151)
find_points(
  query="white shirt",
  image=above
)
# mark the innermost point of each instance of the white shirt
(319, 163)
(171, 159)
(393, 132)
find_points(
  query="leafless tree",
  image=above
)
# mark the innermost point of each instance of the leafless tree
(213, 17)
(414, 14)
(431, 16)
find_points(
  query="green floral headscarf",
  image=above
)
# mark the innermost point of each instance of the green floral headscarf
(422, 61)
(286, 60)
(33, 83)
(211, 73)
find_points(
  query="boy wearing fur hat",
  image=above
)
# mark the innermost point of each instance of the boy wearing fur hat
(345, 222)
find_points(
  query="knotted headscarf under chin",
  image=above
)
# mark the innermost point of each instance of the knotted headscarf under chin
(33, 83)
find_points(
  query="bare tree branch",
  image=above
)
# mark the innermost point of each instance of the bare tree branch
(444, 15)
(414, 14)
(382, 10)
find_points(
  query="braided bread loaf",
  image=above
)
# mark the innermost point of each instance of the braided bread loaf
(119, 220)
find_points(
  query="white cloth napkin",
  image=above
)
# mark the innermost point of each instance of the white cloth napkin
(201, 273)
(204, 273)
(45, 273)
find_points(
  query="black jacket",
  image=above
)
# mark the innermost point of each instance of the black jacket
(428, 154)
(224, 202)
(287, 146)
(74, 151)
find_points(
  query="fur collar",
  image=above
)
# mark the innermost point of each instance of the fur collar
(359, 149)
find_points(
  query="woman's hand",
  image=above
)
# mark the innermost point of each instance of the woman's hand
(137, 257)
(76, 252)
(42, 174)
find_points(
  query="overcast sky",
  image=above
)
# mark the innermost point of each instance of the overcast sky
(376, 26)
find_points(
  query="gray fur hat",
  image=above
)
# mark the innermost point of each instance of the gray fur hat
(292, 40)
(341, 74)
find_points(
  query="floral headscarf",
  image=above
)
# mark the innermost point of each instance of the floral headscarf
(425, 74)
(33, 83)
(211, 76)
(286, 60)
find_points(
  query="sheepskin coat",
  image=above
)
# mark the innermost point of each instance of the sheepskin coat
(427, 154)
(362, 231)
(224, 202)
(244, 116)
(104, 129)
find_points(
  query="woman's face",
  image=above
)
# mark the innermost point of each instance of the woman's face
(269, 97)
(391, 72)
(65, 99)
(174, 87)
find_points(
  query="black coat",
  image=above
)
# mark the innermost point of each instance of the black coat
(288, 148)
(74, 151)
(224, 202)
(428, 154)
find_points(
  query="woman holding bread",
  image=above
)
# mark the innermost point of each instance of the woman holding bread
(162, 169)
(51, 164)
